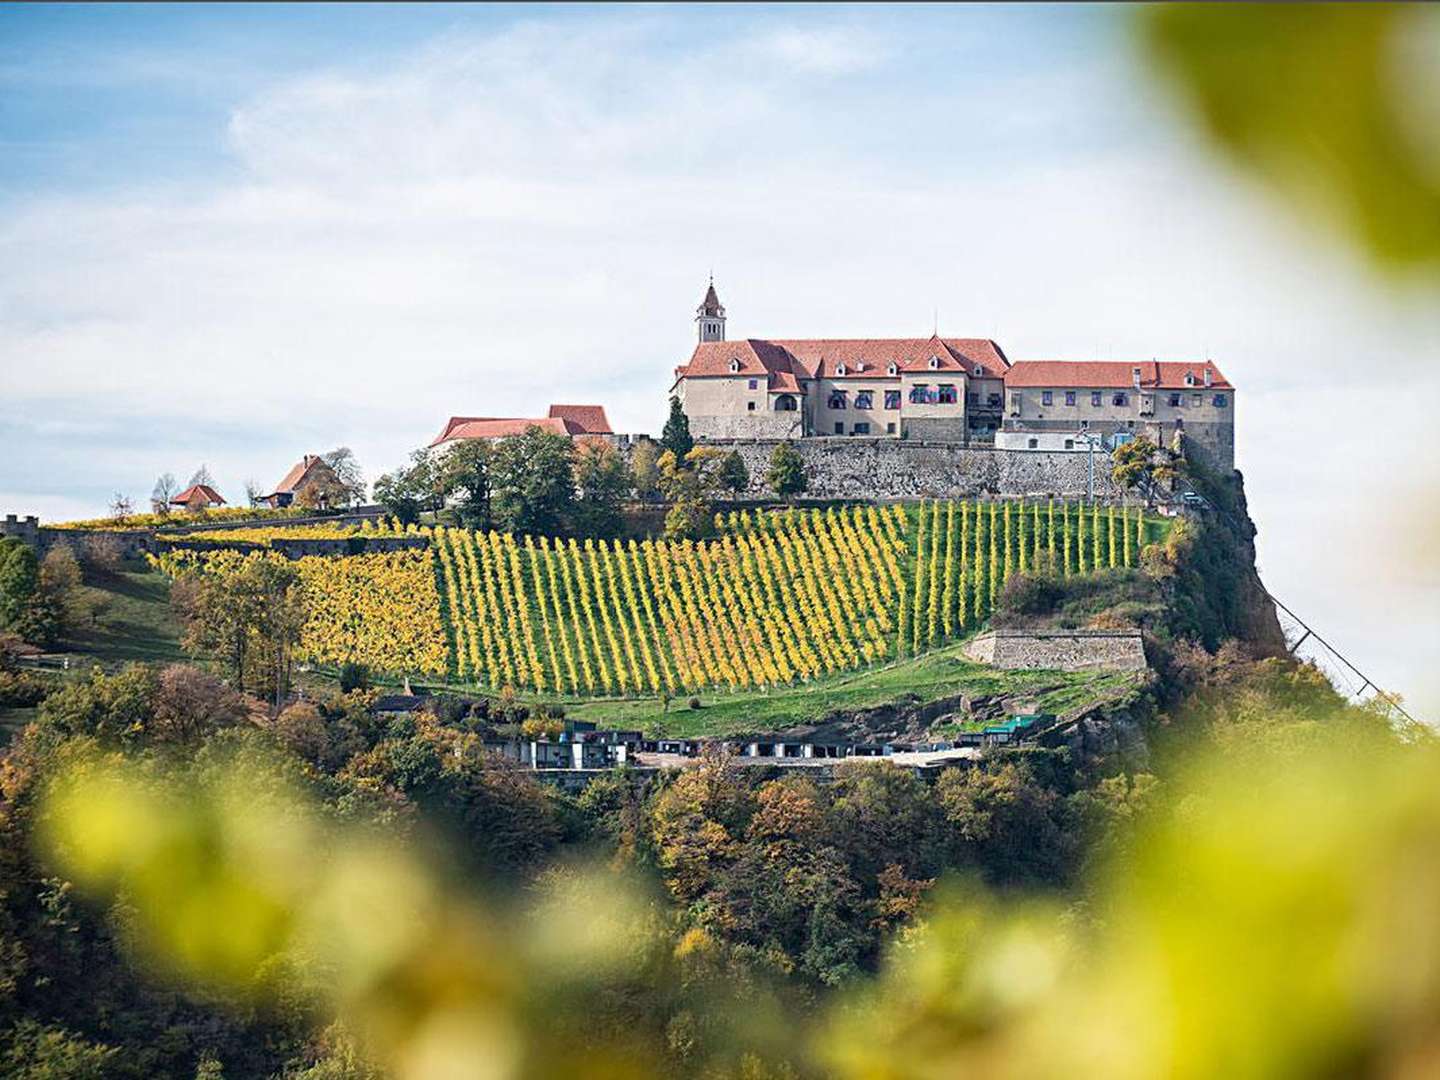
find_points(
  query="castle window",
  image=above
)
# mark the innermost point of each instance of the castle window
(892, 399)
(891, 369)
(889, 429)
(840, 368)
(750, 405)
(1195, 400)
(1120, 399)
(920, 394)
(972, 398)
(1069, 444)
(1189, 378)
(1069, 397)
(865, 399)
(785, 403)
(1047, 397)
(1221, 401)
(947, 394)
(994, 401)
(734, 364)
(861, 428)
(754, 384)
(839, 427)
(1175, 401)
(837, 399)
(934, 363)
(1034, 444)
(1095, 398)
(979, 371)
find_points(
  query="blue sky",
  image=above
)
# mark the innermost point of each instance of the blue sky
(234, 234)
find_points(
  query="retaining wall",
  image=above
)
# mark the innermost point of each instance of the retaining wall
(1060, 650)
(884, 468)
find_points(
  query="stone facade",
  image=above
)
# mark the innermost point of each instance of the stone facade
(888, 469)
(1060, 650)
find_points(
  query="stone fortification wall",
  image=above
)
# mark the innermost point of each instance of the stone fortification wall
(884, 468)
(26, 529)
(1060, 650)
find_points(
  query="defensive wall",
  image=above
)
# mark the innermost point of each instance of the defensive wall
(851, 467)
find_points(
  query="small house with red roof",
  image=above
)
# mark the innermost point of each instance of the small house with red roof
(197, 497)
(943, 389)
(575, 421)
(310, 482)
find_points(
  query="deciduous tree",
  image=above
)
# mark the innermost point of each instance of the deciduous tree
(786, 476)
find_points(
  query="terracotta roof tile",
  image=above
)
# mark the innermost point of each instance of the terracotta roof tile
(204, 491)
(591, 419)
(1113, 374)
(810, 358)
(463, 427)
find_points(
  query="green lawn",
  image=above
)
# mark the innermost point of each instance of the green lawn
(136, 623)
(942, 673)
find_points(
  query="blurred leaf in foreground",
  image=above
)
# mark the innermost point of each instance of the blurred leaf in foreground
(1337, 105)
(1280, 918)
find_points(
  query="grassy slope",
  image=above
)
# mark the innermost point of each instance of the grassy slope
(136, 624)
(938, 674)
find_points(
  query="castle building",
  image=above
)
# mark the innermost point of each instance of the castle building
(943, 389)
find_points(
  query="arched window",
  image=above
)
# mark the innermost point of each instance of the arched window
(785, 403)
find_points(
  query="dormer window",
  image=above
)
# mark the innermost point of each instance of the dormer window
(840, 368)
(979, 371)
(1189, 378)
(892, 368)
(934, 363)
(734, 364)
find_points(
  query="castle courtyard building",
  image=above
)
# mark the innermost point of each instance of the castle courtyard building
(943, 389)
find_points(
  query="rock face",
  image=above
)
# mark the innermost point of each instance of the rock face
(1103, 730)
(1060, 650)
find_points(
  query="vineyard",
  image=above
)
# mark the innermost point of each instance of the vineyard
(777, 598)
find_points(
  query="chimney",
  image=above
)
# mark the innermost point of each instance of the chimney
(1207, 375)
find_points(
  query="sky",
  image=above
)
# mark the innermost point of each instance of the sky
(230, 235)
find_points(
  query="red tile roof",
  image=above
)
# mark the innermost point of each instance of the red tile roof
(204, 492)
(1113, 374)
(296, 475)
(591, 419)
(488, 427)
(786, 361)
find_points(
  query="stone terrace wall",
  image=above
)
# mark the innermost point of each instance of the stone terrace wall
(884, 468)
(1060, 650)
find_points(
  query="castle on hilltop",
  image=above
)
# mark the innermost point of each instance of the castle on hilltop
(945, 390)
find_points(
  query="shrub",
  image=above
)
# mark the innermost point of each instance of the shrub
(353, 677)
(1031, 594)
(695, 702)
(302, 730)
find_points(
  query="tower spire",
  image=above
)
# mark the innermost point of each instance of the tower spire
(710, 315)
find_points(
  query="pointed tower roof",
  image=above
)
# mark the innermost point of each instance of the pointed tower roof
(711, 304)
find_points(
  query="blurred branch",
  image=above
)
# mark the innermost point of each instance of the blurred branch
(1326, 103)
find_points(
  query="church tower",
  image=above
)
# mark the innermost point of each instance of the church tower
(710, 316)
